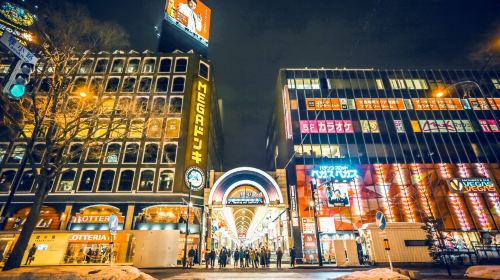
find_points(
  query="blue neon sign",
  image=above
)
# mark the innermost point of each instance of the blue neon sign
(336, 172)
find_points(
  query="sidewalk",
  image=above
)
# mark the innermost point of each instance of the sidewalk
(75, 272)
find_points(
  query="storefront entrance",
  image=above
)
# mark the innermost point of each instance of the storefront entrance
(246, 209)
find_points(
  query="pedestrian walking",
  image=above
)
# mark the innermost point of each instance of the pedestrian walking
(31, 254)
(262, 257)
(207, 258)
(279, 255)
(212, 258)
(242, 257)
(247, 257)
(191, 254)
(252, 257)
(292, 257)
(236, 257)
(268, 257)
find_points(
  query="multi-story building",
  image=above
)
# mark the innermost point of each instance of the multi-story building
(409, 143)
(140, 177)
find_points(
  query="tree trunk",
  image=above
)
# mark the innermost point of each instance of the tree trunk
(16, 256)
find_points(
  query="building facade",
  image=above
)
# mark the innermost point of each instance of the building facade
(409, 143)
(139, 177)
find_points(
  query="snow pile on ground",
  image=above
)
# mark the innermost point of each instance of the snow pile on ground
(77, 272)
(483, 272)
(375, 274)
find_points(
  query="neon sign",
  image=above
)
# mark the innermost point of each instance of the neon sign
(336, 172)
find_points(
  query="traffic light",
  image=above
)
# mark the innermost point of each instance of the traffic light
(15, 87)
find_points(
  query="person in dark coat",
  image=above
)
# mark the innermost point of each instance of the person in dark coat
(268, 257)
(262, 257)
(236, 257)
(292, 257)
(279, 255)
(191, 254)
(212, 258)
(31, 254)
(207, 258)
(247, 258)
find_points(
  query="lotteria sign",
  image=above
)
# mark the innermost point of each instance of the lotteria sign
(471, 185)
(89, 237)
(335, 172)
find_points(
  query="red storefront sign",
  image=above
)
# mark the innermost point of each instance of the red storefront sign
(324, 126)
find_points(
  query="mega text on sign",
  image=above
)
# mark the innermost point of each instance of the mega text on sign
(198, 130)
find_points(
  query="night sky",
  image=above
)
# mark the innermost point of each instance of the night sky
(251, 40)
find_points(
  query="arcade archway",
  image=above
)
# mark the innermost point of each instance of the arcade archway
(246, 208)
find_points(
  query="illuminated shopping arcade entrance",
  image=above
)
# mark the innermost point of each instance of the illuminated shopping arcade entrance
(246, 208)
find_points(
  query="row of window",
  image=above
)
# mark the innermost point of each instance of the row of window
(112, 153)
(353, 83)
(90, 180)
(130, 84)
(133, 65)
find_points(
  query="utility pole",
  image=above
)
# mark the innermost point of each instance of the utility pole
(316, 229)
(186, 234)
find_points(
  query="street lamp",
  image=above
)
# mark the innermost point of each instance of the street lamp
(314, 185)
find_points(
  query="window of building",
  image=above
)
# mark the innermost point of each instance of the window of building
(83, 129)
(117, 66)
(178, 84)
(75, 153)
(175, 104)
(146, 181)
(70, 66)
(145, 84)
(126, 181)
(6, 180)
(107, 105)
(169, 153)
(17, 153)
(159, 105)
(26, 182)
(124, 105)
(101, 128)
(162, 84)
(101, 65)
(87, 181)
(166, 180)
(45, 85)
(149, 65)
(72, 105)
(67, 181)
(397, 83)
(112, 85)
(165, 65)
(496, 83)
(173, 128)
(94, 154)
(118, 128)
(28, 129)
(141, 105)
(3, 151)
(113, 153)
(133, 65)
(136, 128)
(106, 182)
(131, 153)
(96, 84)
(79, 84)
(154, 128)
(37, 152)
(338, 84)
(150, 153)
(204, 70)
(86, 66)
(379, 83)
(129, 84)
(181, 65)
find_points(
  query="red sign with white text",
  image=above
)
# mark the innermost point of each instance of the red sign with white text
(326, 126)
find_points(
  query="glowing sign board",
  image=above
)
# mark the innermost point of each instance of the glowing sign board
(336, 172)
(437, 104)
(489, 126)
(15, 20)
(191, 16)
(471, 185)
(328, 126)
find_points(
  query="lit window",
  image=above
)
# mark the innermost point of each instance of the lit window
(101, 128)
(154, 128)
(147, 180)
(133, 65)
(79, 84)
(166, 180)
(117, 66)
(113, 153)
(118, 128)
(169, 153)
(149, 65)
(28, 130)
(496, 83)
(136, 128)
(107, 105)
(397, 83)
(3, 151)
(6, 180)
(420, 84)
(87, 181)
(67, 180)
(165, 65)
(17, 153)
(96, 84)
(124, 105)
(86, 66)
(291, 83)
(315, 84)
(181, 65)
(178, 84)
(150, 153)
(131, 153)
(83, 130)
(126, 181)
(173, 127)
(379, 83)
(106, 182)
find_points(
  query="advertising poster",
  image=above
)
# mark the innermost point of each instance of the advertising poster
(369, 126)
(400, 128)
(193, 15)
(337, 195)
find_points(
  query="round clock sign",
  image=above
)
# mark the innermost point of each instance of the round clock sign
(195, 179)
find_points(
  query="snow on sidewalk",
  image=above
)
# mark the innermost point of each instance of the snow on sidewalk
(375, 274)
(484, 272)
(76, 272)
